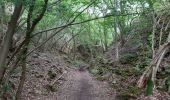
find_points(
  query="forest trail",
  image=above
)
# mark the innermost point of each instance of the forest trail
(82, 86)
(73, 84)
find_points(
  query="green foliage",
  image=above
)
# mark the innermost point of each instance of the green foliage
(129, 58)
(167, 84)
(131, 91)
(130, 18)
(157, 5)
(7, 87)
(94, 71)
(149, 89)
(77, 62)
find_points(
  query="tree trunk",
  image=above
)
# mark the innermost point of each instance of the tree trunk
(23, 74)
(30, 29)
(8, 38)
(2, 17)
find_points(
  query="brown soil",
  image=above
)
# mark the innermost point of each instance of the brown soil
(73, 85)
(81, 86)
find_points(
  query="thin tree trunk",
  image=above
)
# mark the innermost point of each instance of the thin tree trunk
(2, 12)
(153, 35)
(22, 79)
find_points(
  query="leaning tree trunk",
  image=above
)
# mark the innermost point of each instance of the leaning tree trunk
(151, 71)
(8, 38)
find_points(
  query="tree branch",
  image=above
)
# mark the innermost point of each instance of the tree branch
(81, 22)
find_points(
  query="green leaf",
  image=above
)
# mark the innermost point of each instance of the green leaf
(149, 89)
(156, 5)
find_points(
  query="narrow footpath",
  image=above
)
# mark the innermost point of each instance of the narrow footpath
(82, 86)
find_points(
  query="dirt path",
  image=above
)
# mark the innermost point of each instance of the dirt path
(81, 86)
(73, 85)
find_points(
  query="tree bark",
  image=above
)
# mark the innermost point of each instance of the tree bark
(30, 28)
(8, 38)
